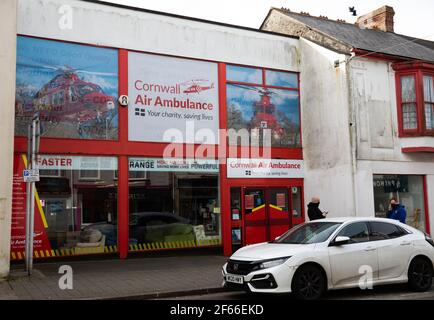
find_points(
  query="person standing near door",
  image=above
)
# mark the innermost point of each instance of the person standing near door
(313, 210)
(397, 211)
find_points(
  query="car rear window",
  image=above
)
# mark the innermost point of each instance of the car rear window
(384, 231)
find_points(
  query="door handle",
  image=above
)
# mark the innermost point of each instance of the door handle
(369, 249)
(405, 243)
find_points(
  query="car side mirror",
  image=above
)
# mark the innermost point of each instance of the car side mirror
(341, 240)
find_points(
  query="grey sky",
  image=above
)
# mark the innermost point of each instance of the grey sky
(412, 17)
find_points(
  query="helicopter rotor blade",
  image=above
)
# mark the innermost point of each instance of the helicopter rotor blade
(37, 66)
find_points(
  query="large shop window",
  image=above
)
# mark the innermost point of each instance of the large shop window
(409, 190)
(73, 87)
(175, 204)
(258, 100)
(75, 206)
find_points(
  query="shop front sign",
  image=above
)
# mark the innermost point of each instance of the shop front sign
(168, 92)
(57, 162)
(175, 164)
(264, 168)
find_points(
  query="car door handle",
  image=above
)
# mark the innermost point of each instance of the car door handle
(405, 243)
(370, 249)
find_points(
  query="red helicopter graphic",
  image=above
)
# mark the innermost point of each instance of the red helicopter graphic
(264, 112)
(67, 98)
(195, 87)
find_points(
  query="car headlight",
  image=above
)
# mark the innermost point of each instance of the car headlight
(429, 239)
(271, 263)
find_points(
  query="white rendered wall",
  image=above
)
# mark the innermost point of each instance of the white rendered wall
(8, 33)
(379, 149)
(325, 130)
(122, 28)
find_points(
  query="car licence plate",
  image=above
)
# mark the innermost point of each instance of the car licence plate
(234, 279)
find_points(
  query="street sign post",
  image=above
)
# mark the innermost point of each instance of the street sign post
(30, 176)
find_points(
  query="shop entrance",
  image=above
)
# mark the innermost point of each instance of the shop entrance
(266, 214)
(261, 214)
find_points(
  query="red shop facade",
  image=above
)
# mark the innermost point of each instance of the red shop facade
(170, 170)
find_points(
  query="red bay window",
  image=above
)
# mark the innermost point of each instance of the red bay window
(415, 98)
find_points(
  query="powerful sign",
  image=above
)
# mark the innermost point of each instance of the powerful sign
(179, 165)
(264, 168)
(168, 95)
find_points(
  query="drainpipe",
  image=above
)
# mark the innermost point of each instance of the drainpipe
(353, 130)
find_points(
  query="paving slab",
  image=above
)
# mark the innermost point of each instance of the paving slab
(138, 278)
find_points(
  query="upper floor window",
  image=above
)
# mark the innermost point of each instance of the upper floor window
(263, 107)
(415, 88)
(428, 98)
(408, 103)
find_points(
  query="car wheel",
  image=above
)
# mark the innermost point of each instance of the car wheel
(420, 275)
(308, 283)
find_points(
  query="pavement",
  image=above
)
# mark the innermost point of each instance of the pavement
(135, 278)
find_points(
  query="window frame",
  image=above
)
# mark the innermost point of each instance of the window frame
(265, 85)
(418, 71)
(400, 105)
(431, 75)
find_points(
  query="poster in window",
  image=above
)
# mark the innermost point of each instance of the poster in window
(249, 201)
(236, 236)
(258, 108)
(72, 87)
(41, 242)
(172, 98)
(281, 200)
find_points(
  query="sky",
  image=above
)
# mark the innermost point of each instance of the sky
(412, 17)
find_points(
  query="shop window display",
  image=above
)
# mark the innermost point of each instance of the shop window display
(408, 190)
(72, 215)
(172, 209)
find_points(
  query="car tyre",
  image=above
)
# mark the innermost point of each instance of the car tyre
(308, 283)
(420, 274)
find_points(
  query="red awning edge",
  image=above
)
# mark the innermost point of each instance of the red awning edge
(417, 149)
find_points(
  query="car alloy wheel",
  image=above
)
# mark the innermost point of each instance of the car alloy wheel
(308, 283)
(420, 275)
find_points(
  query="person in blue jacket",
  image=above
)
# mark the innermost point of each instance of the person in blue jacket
(397, 211)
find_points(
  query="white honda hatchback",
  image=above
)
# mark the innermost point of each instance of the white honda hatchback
(333, 254)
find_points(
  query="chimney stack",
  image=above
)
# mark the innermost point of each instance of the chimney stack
(380, 19)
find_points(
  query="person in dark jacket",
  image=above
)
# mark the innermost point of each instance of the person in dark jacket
(397, 211)
(313, 210)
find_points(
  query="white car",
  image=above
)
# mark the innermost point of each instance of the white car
(333, 254)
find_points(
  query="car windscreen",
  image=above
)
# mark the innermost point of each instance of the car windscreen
(308, 233)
